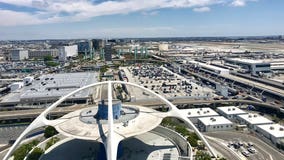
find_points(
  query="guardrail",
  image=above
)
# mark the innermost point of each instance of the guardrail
(183, 145)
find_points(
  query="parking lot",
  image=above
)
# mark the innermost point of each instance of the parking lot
(164, 82)
(10, 133)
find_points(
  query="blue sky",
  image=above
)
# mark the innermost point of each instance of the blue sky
(42, 19)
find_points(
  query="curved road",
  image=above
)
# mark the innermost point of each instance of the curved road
(264, 151)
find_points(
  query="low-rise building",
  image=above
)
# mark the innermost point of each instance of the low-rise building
(43, 53)
(19, 54)
(230, 112)
(274, 132)
(195, 113)
(215, 123)
(252, 120)
(255, 67)
(67, 51)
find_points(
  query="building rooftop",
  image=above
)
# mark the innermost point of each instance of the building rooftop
(231, 110)
(254, 119)
(198, 112)
(210, 66)
(248, 61)
(216, 120)
(275, 130)
(53, 86)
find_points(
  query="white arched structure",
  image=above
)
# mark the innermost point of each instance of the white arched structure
(113, 139)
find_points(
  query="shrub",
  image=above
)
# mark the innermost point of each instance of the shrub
(51, 142)
(36, 153)
(23, 150)
(49, 132)
(202, 156)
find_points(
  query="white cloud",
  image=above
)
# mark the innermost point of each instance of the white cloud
(150, 13)
(53, 11)
(201, 9)
(10, 18)
(239, 3)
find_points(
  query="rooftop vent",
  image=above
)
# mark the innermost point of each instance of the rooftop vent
(281, 129)
(249, 116)
(271, 128)
(234, 109)
(229, 109)
(254, 115)
(189, 113)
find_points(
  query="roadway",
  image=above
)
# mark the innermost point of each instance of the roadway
(32, 113)
(264, 151)
(177, 101)
(272, 90)
(222, 149)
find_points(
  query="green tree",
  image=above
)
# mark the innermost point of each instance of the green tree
(182, 130)
(48, 58)
(35, 154)
(49, 132)
(200, 155)
(192, 141)
(104, 68)
(24, 149)
(51, 64)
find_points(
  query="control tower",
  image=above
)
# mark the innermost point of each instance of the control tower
(103, 109)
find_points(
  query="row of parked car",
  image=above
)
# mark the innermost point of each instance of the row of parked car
(245, 148)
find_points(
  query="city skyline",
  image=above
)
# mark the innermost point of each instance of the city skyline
(57, 19)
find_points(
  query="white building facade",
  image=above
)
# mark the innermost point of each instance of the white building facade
(68, 51)
(19, 54)
(274, 132)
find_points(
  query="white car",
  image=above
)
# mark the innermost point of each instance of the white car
(245, 153)
(251, 150)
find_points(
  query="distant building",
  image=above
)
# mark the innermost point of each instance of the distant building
(210, 68)
(252, 120)
(108, 52)
(216, 123)
(230, 112)
(40, 54)
(163, 47)
(19, 54)
(49, 88)
(254, 67)
(68, 51)
(85, 46)
(98, 44)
